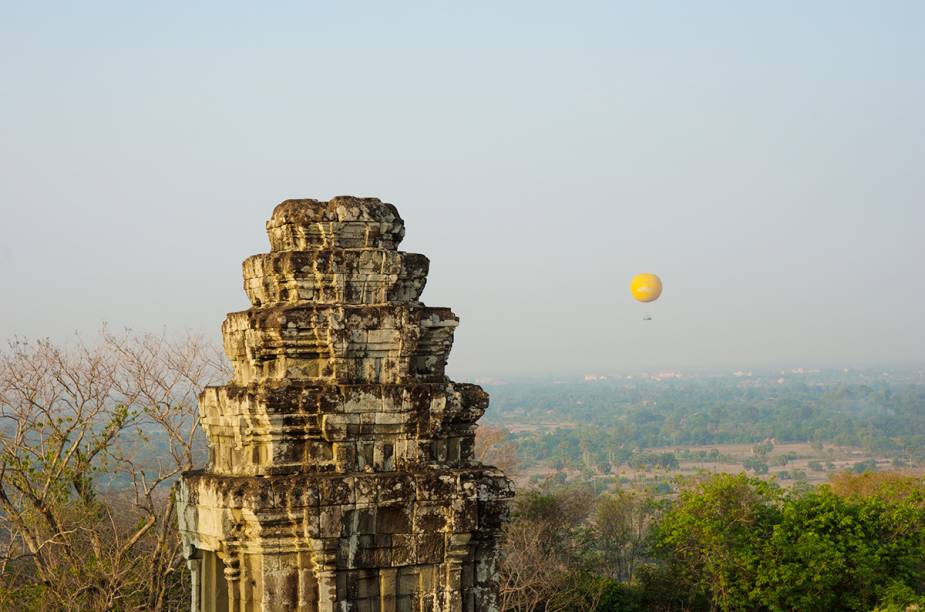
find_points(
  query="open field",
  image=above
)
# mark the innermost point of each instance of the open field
(787, 464)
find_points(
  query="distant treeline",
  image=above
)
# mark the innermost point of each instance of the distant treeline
(603, 423)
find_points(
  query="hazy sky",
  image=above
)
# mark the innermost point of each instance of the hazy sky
(766, 159)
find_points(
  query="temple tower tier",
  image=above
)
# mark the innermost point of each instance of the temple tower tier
(341, 475)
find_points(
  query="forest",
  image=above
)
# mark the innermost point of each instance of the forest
(725, 542)
(612, 423)
(584, 538)
(94, 435)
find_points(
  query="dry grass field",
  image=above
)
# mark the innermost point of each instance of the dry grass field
(787, 464)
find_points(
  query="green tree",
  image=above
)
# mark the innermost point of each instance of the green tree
(756, 465)
(715, 533)
(834, 553)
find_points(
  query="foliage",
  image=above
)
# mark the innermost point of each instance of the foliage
(889, 486)
(92, 439)
(726, 542)
(898, 597)
(715, 532)
(756, 465)
(614, 422)
(620, 523)
(829, 552)
(861, 467)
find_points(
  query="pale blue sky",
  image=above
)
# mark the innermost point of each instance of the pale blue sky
(767, 159)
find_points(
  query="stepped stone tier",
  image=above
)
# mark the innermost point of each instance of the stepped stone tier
(341, 473)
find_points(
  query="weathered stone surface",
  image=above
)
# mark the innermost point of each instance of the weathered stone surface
(354, 276)
(264, 429)
(341, 473)
(339, 343)
(345, 222)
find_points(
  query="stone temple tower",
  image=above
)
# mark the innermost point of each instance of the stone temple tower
(341, 473)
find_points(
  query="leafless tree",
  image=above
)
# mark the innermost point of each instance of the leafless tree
(531, 574)
(493, 446)
(541, 564)
(620, 523)
(92, 439)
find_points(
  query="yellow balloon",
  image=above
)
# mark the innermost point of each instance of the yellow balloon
(646, 287)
